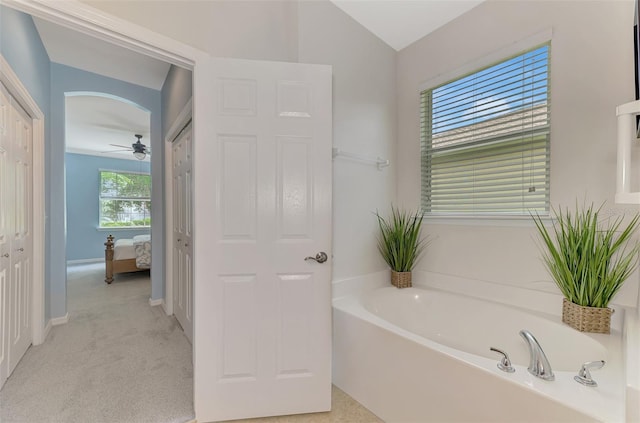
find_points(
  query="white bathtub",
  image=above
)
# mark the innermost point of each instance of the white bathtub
(422, 355)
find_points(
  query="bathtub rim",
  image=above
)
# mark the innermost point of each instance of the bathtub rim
(608, 342)
(547, 303)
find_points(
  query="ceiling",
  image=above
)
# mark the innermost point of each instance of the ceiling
(93, 123)
(402, 22)
(69, 47)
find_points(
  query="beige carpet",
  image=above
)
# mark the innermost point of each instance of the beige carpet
(118, 360)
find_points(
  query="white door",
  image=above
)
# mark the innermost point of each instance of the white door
(15, 232)
(182, 232)
(5, 244)
(21, 248)
(262, 205)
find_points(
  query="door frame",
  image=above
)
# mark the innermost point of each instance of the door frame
(176, 128)
(21, 94)
(89, 21)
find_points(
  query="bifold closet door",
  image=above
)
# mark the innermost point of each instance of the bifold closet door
(182, 233)
(16, 249)
(5, 244)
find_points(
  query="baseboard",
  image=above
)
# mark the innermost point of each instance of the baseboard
(47, 329)
(56, 321)
(164, 307)
(85, 261)
(158, 302)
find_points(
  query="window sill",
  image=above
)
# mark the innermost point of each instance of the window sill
(123, 228)
(488, 220)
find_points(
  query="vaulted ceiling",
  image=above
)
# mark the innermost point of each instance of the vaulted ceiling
(402, 22)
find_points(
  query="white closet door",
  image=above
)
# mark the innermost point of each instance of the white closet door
(5, 218)
(182, 232)
(21, 242)
(16, 249)
(263, 205)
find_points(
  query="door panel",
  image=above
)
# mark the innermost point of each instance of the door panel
(240, 329)
(294, 188)
(263, 312)
(239, 186)
(295, 332)
(4, 322)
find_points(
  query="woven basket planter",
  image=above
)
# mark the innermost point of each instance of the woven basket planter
(586, 319)
(401, 279)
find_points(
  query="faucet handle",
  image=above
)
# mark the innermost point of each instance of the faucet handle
(584, 375)
(505, 362)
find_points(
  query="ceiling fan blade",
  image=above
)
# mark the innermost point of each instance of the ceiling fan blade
(115, 151)
(122, 146)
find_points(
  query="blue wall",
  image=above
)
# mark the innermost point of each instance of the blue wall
(67, 80)
(22, 48)
(84, 240)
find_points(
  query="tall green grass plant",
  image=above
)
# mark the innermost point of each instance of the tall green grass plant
(588, 259)
(399, 240)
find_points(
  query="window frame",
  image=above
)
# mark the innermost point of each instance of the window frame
(493, 58)
(121, 198)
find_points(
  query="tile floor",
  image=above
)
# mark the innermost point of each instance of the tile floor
(344, 410)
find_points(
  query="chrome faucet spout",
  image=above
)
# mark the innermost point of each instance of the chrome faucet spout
(538, 363)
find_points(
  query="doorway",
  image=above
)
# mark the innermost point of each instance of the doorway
(56, 220)
(108, 187)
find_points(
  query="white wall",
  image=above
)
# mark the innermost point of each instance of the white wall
(364, 122)
(591, 73)
(248, 29)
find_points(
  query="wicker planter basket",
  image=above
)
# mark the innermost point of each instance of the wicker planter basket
(401, 279)
(586, 319)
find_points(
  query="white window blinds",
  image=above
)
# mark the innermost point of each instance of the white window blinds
(485, 140)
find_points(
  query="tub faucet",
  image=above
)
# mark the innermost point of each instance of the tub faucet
(538, 363)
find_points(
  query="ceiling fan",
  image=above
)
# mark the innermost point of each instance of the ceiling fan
(140, 150)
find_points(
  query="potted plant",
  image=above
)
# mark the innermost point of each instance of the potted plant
(400, 244)
(589, 260)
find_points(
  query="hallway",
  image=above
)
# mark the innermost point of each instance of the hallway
(117, 360)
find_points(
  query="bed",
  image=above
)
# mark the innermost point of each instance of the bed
(126, 255)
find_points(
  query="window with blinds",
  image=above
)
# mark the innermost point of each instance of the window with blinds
(485, 140)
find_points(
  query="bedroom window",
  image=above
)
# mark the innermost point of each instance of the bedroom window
(485, 140)
(125, 199)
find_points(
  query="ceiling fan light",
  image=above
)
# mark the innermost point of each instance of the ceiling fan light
(140, 155)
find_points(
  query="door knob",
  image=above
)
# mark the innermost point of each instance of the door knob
(321, 257)
(20, 249)
(5, 255)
